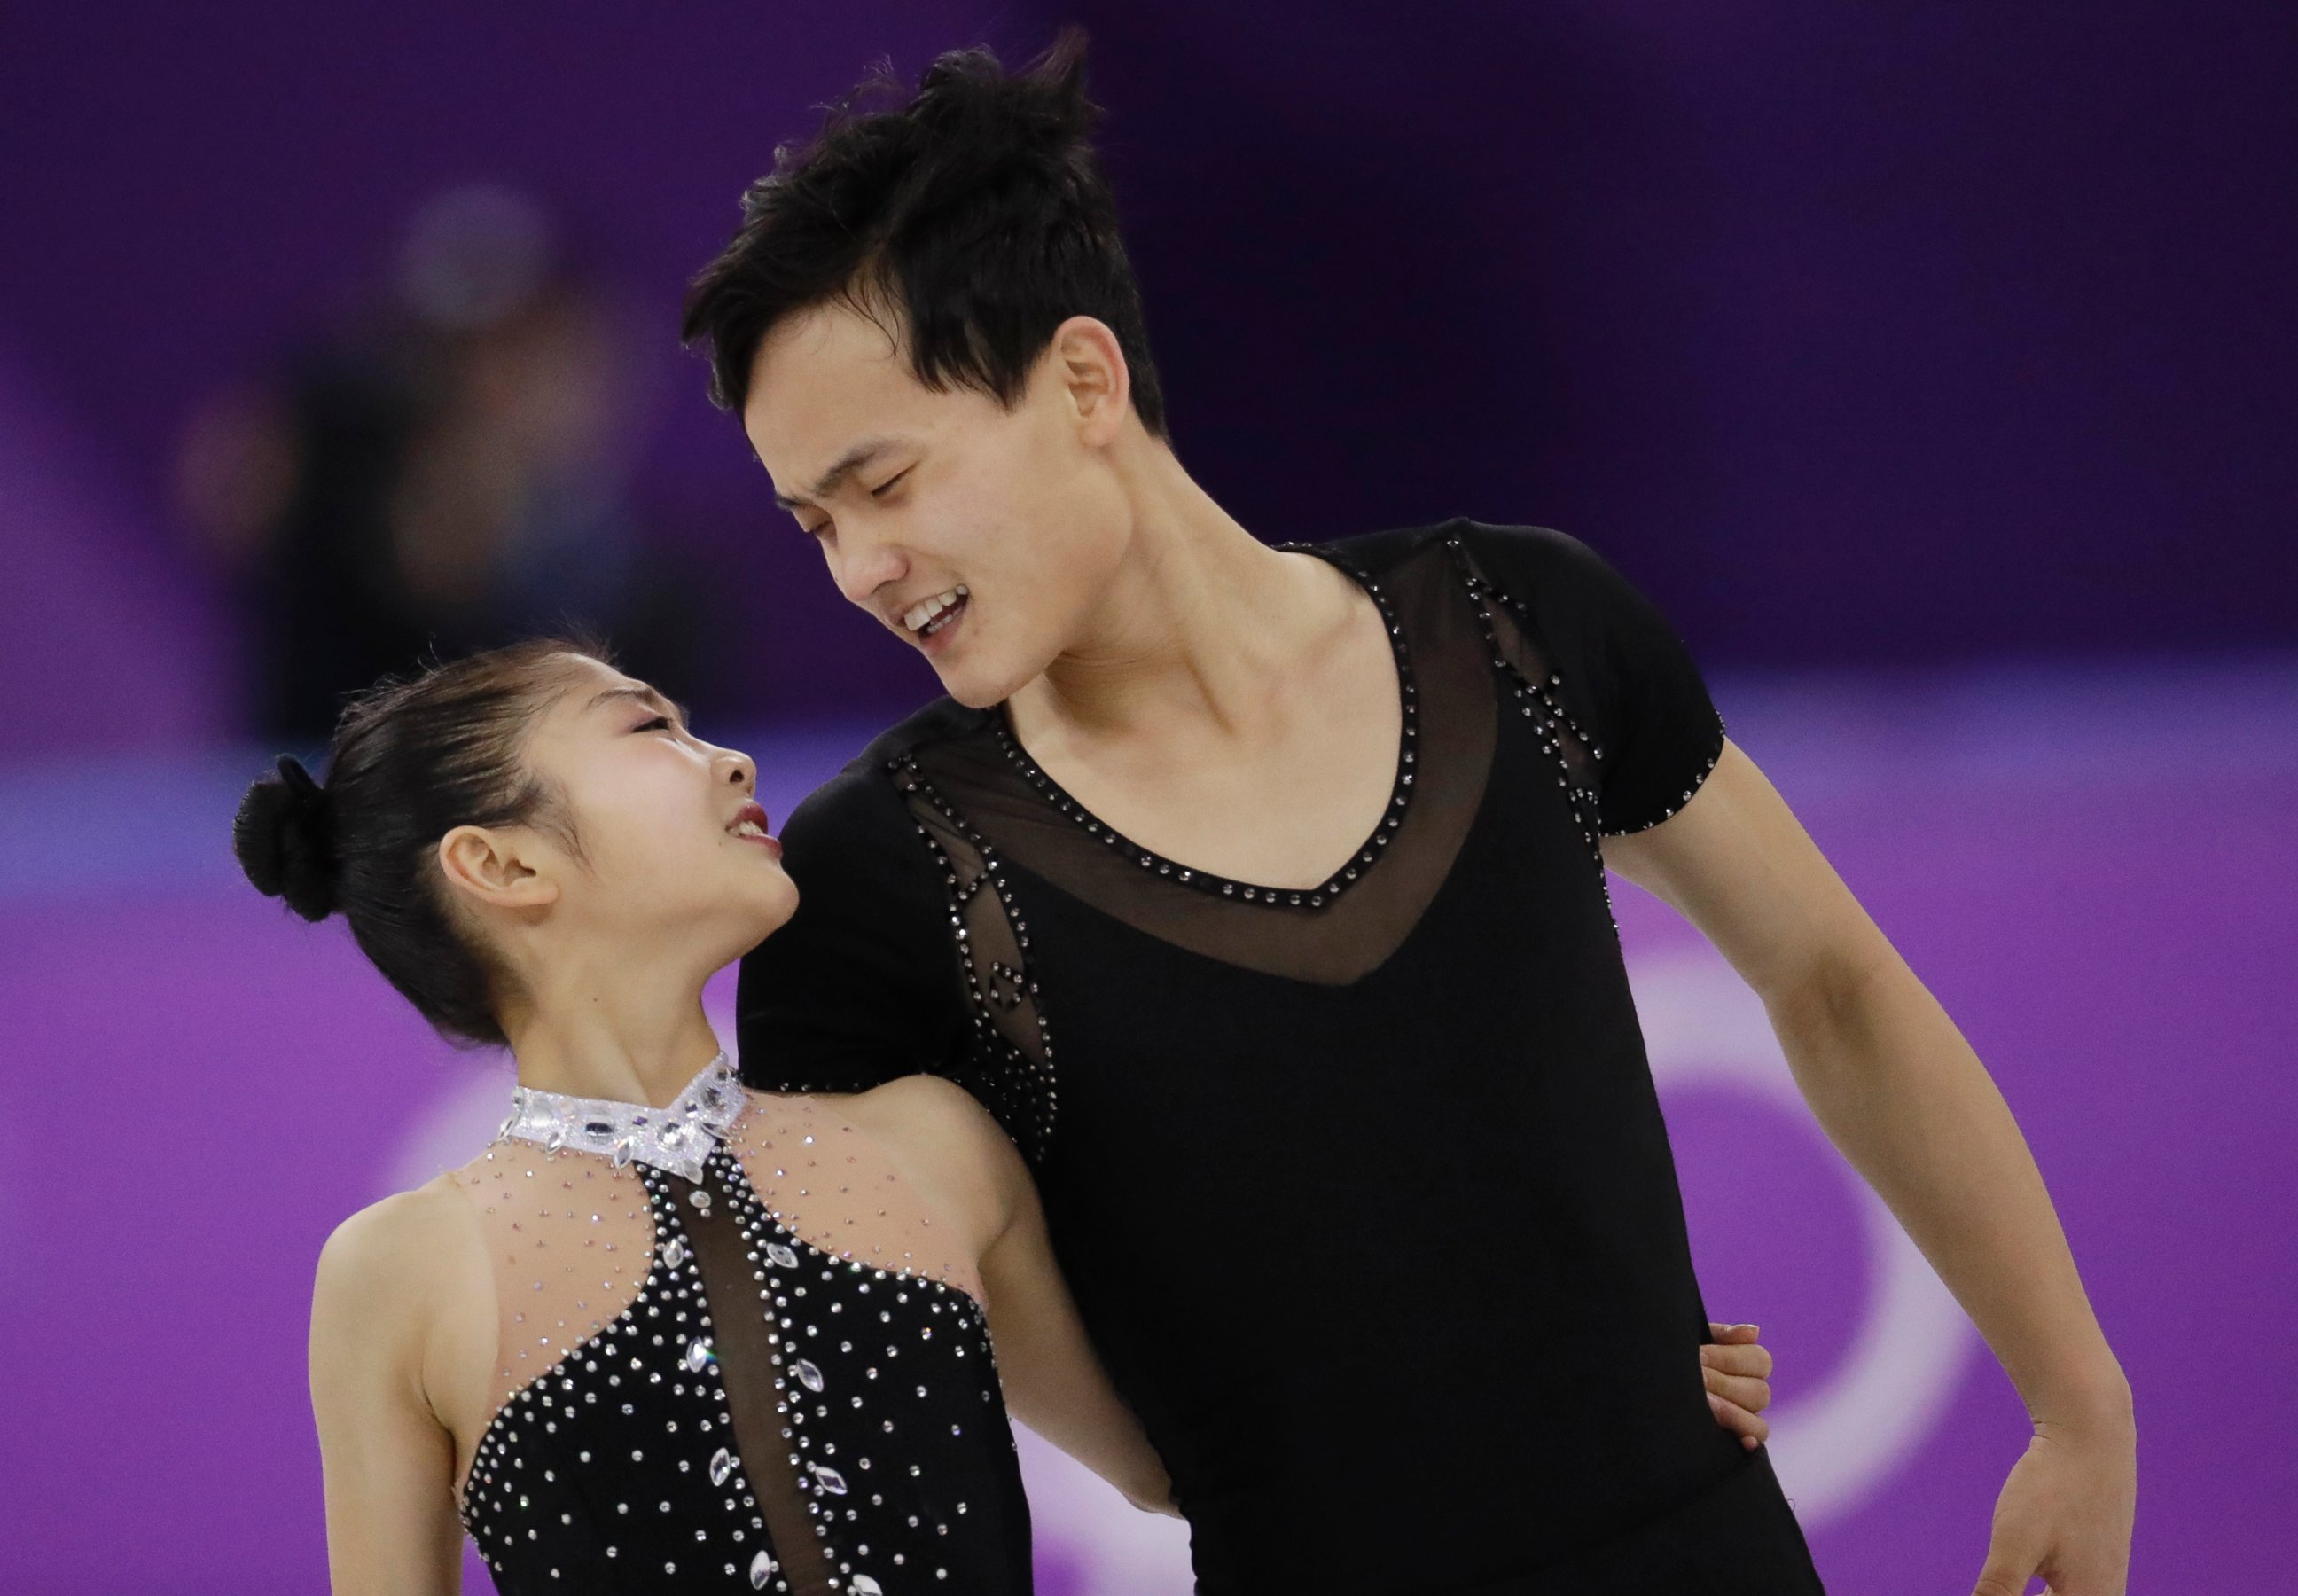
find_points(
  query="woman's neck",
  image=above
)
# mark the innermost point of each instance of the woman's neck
(621, 1038)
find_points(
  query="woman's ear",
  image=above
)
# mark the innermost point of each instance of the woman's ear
(496, 868)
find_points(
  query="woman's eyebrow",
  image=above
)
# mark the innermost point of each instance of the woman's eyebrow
(644, 695)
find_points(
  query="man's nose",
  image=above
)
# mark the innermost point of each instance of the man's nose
(867, 563)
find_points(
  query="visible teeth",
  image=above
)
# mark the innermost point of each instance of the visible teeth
(920, 615)
(749, 828)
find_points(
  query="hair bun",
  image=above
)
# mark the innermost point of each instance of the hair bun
(285, 838)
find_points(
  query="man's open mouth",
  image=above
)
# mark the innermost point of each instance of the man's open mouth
(930, 616)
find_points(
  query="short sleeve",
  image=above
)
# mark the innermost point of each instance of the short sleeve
(1646, 704)
(862, 985)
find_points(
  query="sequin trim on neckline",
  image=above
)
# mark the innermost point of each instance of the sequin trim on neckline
(676, 1137)
(1367, 853)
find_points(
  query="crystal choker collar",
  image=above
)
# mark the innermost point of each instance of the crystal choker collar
(676, 1137)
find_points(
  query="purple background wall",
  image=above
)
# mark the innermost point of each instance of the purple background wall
(2093, 871)
(1930, 364)
(1875, 332)
(1858, 334)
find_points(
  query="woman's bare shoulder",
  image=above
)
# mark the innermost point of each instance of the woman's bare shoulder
(383, 1269)
(945, 1144)
(926, 1113)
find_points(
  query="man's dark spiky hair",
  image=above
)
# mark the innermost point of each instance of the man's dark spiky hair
(977, 212)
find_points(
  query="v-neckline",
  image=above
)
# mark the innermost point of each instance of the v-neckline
(1360, 859)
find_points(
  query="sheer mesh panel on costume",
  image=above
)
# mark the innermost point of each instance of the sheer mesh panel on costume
(571, 1239)
(748, 1351)
(575, 1244)
(1538, 692)
(1012, 1066)
(835, 1189)
(982, 797)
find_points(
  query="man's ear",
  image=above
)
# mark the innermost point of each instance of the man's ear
(1091, 368)
(496, 868)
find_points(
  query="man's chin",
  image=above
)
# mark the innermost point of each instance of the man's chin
(974, 693)
(977, 688)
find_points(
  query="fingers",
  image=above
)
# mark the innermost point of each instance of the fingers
(2001, 1581)
(2011, 1562)
(1749, 1427)
(1737, 1370)
(1754, 1361)
(1753, 1394)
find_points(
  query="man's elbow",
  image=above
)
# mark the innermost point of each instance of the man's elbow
(1820, 1000)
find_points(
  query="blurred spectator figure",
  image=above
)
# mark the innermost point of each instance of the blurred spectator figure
(448, 476)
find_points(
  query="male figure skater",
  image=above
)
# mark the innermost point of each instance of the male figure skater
(1260, 893)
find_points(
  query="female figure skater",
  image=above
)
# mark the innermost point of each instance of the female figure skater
(665, 1332)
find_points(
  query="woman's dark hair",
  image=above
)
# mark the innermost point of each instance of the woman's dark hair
(978, 211)
(412, 760)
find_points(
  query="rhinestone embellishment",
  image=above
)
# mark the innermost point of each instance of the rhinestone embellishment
(1305, 898)
(677, 1139)
(653, 1429)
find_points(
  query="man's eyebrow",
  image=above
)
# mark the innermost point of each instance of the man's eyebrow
(831, 480)
(644, 695)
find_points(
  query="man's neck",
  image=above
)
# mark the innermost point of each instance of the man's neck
(1198, 621)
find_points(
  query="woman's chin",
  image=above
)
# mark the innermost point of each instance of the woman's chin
(735, 929)
(768, 912)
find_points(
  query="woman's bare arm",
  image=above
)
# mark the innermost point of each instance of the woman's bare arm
(1054, 1382)
(389, 1461)
(949, 1147)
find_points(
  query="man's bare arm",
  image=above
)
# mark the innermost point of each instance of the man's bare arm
(1902, 1094)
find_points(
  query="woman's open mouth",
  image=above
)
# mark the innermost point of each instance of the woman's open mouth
(749, 823)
